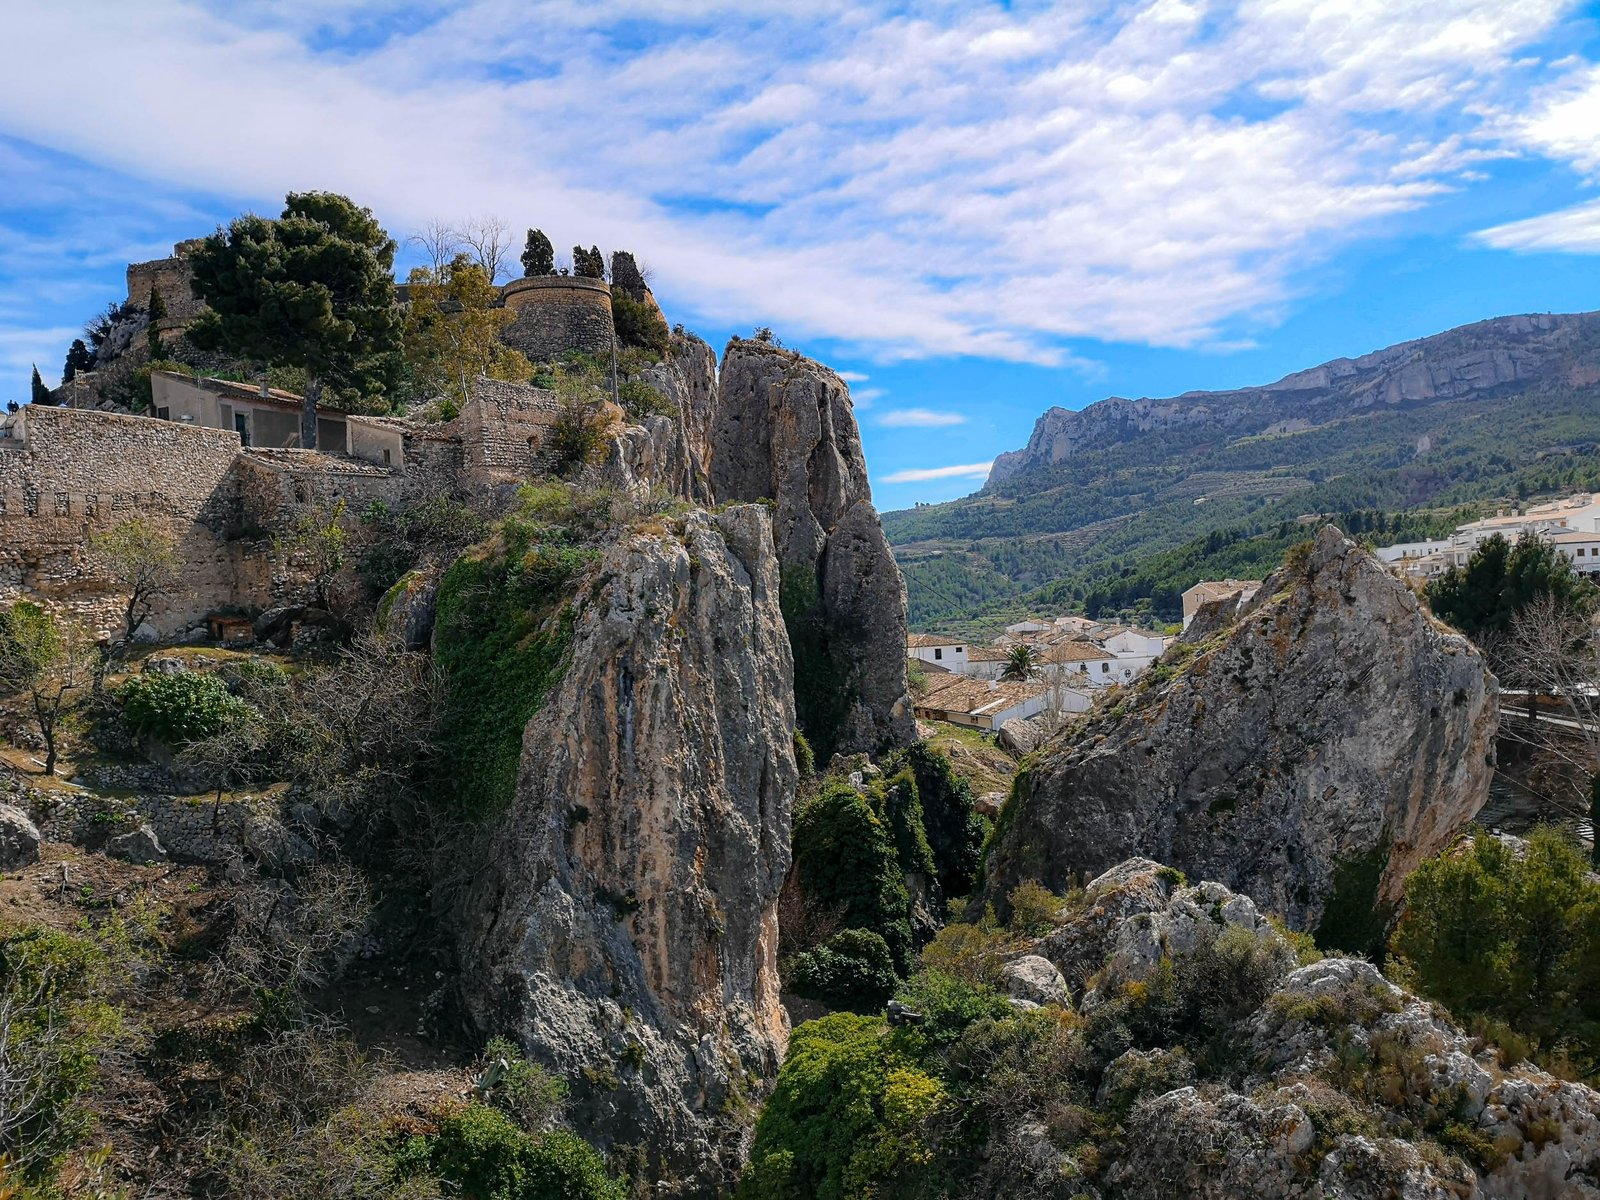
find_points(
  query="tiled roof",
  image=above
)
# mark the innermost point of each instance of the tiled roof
(976, 697)
(927, 641)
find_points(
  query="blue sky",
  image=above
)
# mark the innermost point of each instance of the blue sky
(975, 211)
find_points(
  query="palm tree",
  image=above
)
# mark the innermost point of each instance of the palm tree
(1021, 664)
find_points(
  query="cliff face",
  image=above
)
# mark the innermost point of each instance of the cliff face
(624, 924)
(785, 432)
(688, 379)
(1472, 359)
(1325, 742)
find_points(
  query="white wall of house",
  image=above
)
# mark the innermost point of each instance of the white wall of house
(951, 656)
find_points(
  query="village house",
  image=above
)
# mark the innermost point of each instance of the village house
(1208, 591)
(978, 703)
(938, 649)
(1571, 525)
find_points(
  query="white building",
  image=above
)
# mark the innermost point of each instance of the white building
(980, 704)
(947, 652)
(1580, 548)
(1571, 525)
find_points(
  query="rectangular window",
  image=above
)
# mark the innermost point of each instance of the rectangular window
(937, 655)
(1105, 668)
(958, 649)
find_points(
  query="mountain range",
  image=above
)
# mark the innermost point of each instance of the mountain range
(1119, 506)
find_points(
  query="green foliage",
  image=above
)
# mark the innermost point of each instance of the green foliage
(538, 255)
(845, 859)
(500, 639)
(1354, 920)
(56, 1025)
(804, 759)
(79, 360)
(38, 393)
(852, 970)
(588, 264)
(640, 400)
(901, 810)
(1034, 908)
(579, 431)
(524, 1091)
(844, 1120)
(1022, 662)
(821, 698)
(483, 1156)
(955, 831)
(182, 708)
(313, 289)
(396, 540)
(949, 1005)
(639, 324)
(1492, 934)
(1483, 598)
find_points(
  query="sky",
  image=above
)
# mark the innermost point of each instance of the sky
(973, 211)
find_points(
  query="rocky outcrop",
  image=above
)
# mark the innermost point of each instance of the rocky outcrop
(624, 923)
(19, 839)
(1326, 742)
(785, 432)
(1463, 362)
(688, 379)
(1351, 1088)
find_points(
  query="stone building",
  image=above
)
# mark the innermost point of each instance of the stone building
(557, 314)
(170, 278)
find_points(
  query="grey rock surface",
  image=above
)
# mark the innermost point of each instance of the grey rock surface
(19, 839)
(408, 608)
(1333, 722)
(1034, 979)
(785, 432)
(139, 845)
(624, 924)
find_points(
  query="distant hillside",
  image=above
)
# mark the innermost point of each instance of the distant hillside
(1411, 437)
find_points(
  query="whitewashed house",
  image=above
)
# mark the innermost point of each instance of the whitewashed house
(947, 652)
(978, 703)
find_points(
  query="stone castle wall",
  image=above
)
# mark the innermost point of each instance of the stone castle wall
(170, 277)
(504, 431)
(74, 472)
(556, 314)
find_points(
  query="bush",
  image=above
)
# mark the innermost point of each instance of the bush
(804, 759)
(955, 831)
(526, 1092)
(639, 324)
(1493, 934)
(852, 970)
(845, 858)
(483, 1156)
(949, 1005)
(181, 708)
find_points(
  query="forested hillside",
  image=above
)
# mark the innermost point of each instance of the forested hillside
(1408, 438)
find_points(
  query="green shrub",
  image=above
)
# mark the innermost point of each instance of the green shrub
(955, 831)
(1034, 908)
(483, 1156)
(845, 1118)
(181, 708)
(845, 860)
(901, 811)
(852, 970)
(500, 640)
(804, 759)
(949, 1005)
(639, 324)
(525, 1092)
(1516, 939)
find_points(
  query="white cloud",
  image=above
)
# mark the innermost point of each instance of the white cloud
(1576, 230)
(923, 474)
(920, 418)
(853, 376)
(23, 349)
(959, 179)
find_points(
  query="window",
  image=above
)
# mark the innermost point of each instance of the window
(958, 649)
(164, 414)
(1580, 551)
(937, 655)
(1105, 668)
(387, 461)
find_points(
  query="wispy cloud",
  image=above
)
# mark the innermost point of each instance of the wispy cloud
(1575, 230)
(920, 418)
(951, 180)
(924, 474)
(853, 376)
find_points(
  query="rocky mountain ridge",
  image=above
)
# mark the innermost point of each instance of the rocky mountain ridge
(1503, 352)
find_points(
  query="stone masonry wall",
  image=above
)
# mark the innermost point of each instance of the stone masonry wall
(558, 314)
(170, 277)
(505, 432)
(78, 472)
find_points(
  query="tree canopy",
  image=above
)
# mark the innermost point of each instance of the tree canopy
(312, 289)
(452, 331)
(538, 255)
(79, 359)
(39, 393)
(1483, 598)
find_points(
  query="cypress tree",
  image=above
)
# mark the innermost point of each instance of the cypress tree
(538, 255)
(79, 359)
(157, 309)
(41, 394)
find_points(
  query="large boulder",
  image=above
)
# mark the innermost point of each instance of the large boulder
(785, 432)
(1323, 744)
(19, 839)
(623, 925)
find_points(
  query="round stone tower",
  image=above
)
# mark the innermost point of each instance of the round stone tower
(556, 314)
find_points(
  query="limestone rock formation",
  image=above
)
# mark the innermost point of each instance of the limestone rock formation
(785, 432)
(1332, 737)
(1455, 364)
(19, 839)
(1305, 1118)
(688, 379)
(624, 923)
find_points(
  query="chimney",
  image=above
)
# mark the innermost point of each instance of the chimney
(264, 387)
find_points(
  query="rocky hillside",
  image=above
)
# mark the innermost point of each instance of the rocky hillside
(1417, 431)
(1312, 753)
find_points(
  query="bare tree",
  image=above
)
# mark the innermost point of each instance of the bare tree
(142, 558)
(1552, 652)
(55, 663)
(288, 939)
(440, 241)
(491, 242)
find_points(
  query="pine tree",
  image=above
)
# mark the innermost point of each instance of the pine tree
(41, 394)
(538, 255)
(313, 289)
(588, 264)
(79, 360)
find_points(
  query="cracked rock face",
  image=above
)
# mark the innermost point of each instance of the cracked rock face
(785, 432)
(1332, 723)
(624, 924)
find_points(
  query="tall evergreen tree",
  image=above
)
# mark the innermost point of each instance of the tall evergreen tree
(41, 394)
(312, 289)
(588, 264)
(538, 255)
(79, 360)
